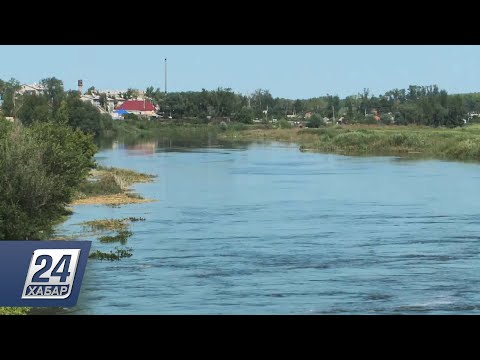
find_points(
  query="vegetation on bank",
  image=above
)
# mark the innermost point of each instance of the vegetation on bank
(14, 310)
(41, 168)
(460, 143)
(112, 255)
(441, 143)
(117, 230)
(53, 105)
(110, 224)
(110, 186)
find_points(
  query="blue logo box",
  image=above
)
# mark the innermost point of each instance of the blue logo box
(42, 273)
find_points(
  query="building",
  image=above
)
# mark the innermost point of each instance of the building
(31, 89)
(92, 99)
(138, 107)
(95, 101)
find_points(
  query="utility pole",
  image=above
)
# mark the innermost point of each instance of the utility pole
(333, 110)
(165, 76)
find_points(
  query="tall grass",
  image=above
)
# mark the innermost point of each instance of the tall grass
(442, 143)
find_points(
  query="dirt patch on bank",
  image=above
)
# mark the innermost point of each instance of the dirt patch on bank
(115, 199)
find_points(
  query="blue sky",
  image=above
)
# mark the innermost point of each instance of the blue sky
(296, 71)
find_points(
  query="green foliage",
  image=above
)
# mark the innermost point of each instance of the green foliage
(441, 143)
(284, 124)
(423, 105)
(245, 115)
(386, 119)
(315, 121)
(223, 126)
(85, 116)
(106, 185)
(114, 255)
(34, 108)
(14, 310)
(103, 100)
(238, 126)
(132, 94)
(8, 90)
(40, 170)
(54, 91)
(121, 237)
(133, 117)
(369, 119)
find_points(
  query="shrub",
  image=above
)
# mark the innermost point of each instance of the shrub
(386, 119)
(316, 121)
(40, 169)
(284, 124)
(223, 126)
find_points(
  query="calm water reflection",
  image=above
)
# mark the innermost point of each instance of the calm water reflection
(267, 229)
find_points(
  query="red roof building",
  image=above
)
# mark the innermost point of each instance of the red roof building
(140, 107)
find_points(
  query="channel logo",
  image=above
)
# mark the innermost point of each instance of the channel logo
(42, 273)
(51, 274)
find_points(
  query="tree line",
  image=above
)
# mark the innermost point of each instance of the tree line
(54, 104)
(423, 105)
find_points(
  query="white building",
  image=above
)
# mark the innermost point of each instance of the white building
(31, 89)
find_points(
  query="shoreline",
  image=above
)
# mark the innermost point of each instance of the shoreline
(457, 144)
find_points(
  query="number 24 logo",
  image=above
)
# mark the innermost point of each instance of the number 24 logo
(63, 275)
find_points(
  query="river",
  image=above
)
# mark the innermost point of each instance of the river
(266, 229)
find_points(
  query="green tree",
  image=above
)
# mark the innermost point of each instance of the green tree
(132, 94)
(284, 124)
(315, 121)
(84, 115)
(103, 100)
(45, 164)
(150, 92)
(34, 108)
(53, 91)
(9, 95)
(245, 115)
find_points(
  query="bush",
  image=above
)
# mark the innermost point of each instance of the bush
(238, 126)
(369, 119)
(316, 121)
(245, 115)
(223, 126)
(106, 185)
(44, 165)
(386, 119)
(284, 124)
(133, 117)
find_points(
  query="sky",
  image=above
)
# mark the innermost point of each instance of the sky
(293, 71)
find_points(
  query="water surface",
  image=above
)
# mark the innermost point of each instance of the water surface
(267, 229)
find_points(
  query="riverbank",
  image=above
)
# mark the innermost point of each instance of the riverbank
(14, 311)
(462, 143)
(440, 143)
(104, 186)
(111, 186)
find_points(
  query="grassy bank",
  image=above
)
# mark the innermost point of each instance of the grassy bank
(420, 141)
(14, 310)
(111, 186)
(440, 143)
